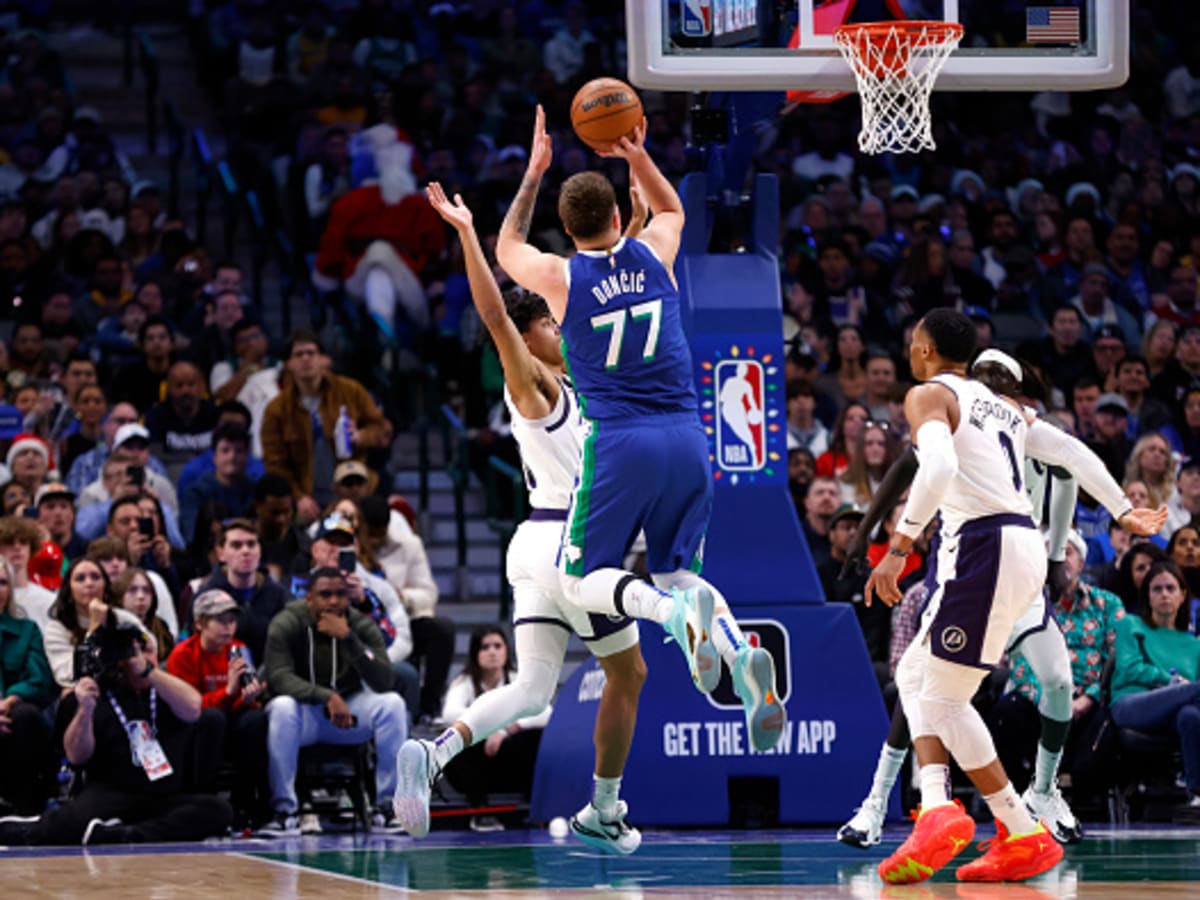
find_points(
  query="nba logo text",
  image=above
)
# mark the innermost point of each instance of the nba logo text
(696, 20)
(741, 430)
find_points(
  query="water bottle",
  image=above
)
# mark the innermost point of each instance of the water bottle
(342, 447)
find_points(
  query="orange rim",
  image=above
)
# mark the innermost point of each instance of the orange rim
(894, 41)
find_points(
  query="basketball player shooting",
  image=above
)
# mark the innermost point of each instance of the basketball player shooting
(549, 432)
(991, 567)
(645, 457)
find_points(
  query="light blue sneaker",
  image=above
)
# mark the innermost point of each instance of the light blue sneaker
(754, 682)
(690, 626)
(415, 776)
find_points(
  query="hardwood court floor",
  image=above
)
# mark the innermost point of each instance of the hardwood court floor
(1137, 864)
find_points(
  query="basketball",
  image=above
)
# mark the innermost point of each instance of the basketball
(605, 110)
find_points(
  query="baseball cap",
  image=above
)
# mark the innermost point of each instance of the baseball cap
(1095, 268)
(1110, 332)
(213, 603)
(905, 190)
(1189, 462)
(350, 469)
(1112, 401)
(846, 511)
(977, 313)
(512, 151)
(130, 431)
(52, 490)
(336, 529)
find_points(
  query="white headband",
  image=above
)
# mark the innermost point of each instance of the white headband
(997, 356)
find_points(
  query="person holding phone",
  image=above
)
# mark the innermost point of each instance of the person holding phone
(336, 546)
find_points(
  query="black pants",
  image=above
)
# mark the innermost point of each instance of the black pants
(27, 761)
(433, 651)
(475, 774)
(1016, 727)
(238, 742)
(148, 818)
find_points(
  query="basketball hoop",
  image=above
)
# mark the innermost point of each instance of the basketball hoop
(896, 65)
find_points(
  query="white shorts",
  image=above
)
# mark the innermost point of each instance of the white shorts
(538, 598)
(989, 576)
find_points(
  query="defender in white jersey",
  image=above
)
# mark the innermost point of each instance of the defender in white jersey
(1036, 632)
(547, 425)
(991, 567)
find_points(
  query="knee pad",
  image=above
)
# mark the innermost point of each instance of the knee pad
(908, 683)
(960, 728)
(1055, 702)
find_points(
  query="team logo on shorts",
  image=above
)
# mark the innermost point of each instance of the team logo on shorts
(741, 435)
(771, 636)
(697, 18)
(954, 639)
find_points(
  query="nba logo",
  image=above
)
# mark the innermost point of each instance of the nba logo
(697, 18)
(741, 432)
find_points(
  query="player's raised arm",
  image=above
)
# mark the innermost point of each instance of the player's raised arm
(529, 267)
(523, 375)
(666, 228)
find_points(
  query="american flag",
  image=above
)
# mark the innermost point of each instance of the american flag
(1052, 25)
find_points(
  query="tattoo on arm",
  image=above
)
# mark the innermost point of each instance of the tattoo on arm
(520, 213)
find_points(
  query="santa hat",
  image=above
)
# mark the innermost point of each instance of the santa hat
(29, 442)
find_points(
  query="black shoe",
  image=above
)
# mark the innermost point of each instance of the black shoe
(107, 831)
(17, 831)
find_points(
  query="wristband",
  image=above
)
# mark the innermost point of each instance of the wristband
(896, 551)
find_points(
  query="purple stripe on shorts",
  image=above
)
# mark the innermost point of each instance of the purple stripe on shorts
(960, 623)
(548, 515)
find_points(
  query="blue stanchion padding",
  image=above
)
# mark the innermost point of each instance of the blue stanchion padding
(755, 548)
(688, 746)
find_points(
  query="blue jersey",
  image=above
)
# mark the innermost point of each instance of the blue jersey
(623, 335)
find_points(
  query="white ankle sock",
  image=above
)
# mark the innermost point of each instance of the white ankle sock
(446, 746)
(728, 637)
(935, 785)
(605, 795)
(887, 770)
(1007, 807)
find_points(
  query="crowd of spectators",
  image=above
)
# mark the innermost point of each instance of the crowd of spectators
(166, 455)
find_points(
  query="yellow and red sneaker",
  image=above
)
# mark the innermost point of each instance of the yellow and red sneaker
(940, 834)
(1010, 858)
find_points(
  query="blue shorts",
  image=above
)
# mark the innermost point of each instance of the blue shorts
(653, 476)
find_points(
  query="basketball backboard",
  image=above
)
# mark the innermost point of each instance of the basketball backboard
(743, 45)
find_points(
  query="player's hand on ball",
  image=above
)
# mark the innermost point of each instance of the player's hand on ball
(628, 147)
(456, 214)
(541, 151)
(1144, 521)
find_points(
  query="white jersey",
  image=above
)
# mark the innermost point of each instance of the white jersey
(551, 448)
(990, 445)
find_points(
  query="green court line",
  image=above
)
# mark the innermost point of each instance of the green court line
(696, 863)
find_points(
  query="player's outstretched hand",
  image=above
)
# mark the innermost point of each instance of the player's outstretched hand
(457, 214)
(626, 148)
(541, 151)
(1144, 521)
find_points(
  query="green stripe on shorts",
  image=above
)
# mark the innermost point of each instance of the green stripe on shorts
(577, 527)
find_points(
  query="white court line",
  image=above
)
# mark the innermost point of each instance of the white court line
(298, 867)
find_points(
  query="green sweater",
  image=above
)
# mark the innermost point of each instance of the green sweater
(24, 670)
(1146, 655)
(305, 664)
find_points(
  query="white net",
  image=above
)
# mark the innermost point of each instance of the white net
(896, 65)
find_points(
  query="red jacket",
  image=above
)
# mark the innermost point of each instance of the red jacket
(360, 217)
(206, 672)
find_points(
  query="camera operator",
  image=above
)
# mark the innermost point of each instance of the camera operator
(218, 665)
(127, 724)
